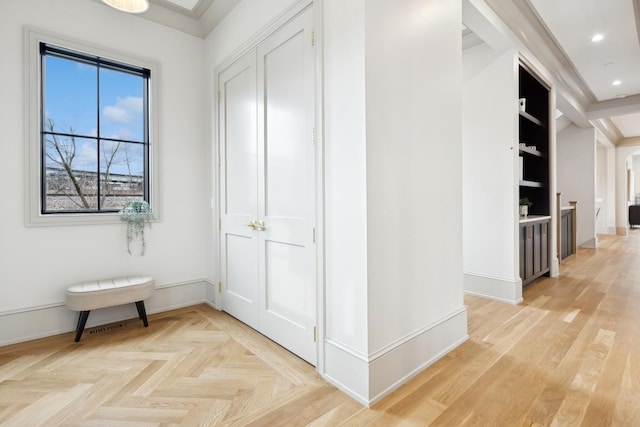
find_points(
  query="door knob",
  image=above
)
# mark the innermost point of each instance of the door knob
(260, 226)
(252, 225)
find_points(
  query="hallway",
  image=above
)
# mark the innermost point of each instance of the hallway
(569, 355)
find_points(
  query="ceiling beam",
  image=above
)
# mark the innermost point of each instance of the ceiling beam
(614, 107)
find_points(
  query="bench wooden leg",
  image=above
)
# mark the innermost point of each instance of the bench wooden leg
(82, 321)
(142, 313)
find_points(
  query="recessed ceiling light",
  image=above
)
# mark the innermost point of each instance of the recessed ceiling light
(616, 83)
(597, 37)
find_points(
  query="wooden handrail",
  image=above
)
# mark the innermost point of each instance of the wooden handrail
(574, 225)
(559, 227)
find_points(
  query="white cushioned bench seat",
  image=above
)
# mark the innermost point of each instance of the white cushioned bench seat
(92, 295)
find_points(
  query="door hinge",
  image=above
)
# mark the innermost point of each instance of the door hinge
(314, 234)
(313, 38)
(219, 96)
(219, 160)
(313, 135)
(315, 334)
(219, 286)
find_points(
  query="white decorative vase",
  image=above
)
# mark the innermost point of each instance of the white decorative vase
(524, 210)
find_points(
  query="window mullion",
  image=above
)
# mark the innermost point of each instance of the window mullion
(98, 140)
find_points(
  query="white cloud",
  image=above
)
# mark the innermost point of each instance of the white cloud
(123, 134)
(127, 110)
(86, 156)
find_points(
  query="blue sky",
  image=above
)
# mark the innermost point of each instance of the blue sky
(70, 102)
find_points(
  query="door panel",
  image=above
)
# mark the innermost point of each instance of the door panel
(286, 187)
(240, 143)
(241, 291)
(238, 190)
(267, 188)
(287, 131)
(285, 270)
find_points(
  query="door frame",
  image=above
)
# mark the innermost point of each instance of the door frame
(278, 22)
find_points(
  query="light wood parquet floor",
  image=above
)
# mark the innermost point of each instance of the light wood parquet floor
(568, 356)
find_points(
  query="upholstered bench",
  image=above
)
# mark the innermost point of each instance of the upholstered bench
(88, 296)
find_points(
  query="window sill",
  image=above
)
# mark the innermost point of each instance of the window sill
(59, 220)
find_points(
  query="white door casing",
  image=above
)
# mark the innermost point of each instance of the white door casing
(268, 251)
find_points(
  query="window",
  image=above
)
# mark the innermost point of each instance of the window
(94, 137)
(91, 119)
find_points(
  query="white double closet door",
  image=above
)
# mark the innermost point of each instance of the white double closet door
(268, 187)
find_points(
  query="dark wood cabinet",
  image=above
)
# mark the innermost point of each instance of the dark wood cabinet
(634, 215)
(566, 233)
(534, 249)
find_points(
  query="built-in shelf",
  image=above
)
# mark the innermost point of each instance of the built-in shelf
(533, 152)
(531, 118)
(531, 184)
(533, 133)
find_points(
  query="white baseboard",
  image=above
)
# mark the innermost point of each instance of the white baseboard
(368, 379)
(42, 321)
(211, 292)
(509, 291)
(347, 370)
(605, 230)
(396, 367)
(591, 243)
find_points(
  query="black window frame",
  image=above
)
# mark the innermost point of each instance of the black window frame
(48, 49)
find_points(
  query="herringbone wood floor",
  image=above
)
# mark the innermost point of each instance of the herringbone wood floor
(569, 355)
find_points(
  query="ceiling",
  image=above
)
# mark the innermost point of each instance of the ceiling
(570, 24)
(195, 17)
(610, 67)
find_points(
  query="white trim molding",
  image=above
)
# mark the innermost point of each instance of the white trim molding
(32, 110)
(503, 290)
(369, 378)
(52, 319)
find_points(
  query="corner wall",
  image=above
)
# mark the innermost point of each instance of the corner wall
(490, 191)
(576, 169)
(393, 153)
(37, 264)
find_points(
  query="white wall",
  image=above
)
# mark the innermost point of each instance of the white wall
(605, 190)
(392, 153)
(414, 168)
(576, 169)
(393, 190)
(490, 190)
(38, 263)
(345, 177)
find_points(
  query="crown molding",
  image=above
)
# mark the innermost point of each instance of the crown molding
(526, 25)
(635, 140)
(609, 130)
(574, 97)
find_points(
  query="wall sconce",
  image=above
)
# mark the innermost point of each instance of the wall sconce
(129, 6)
